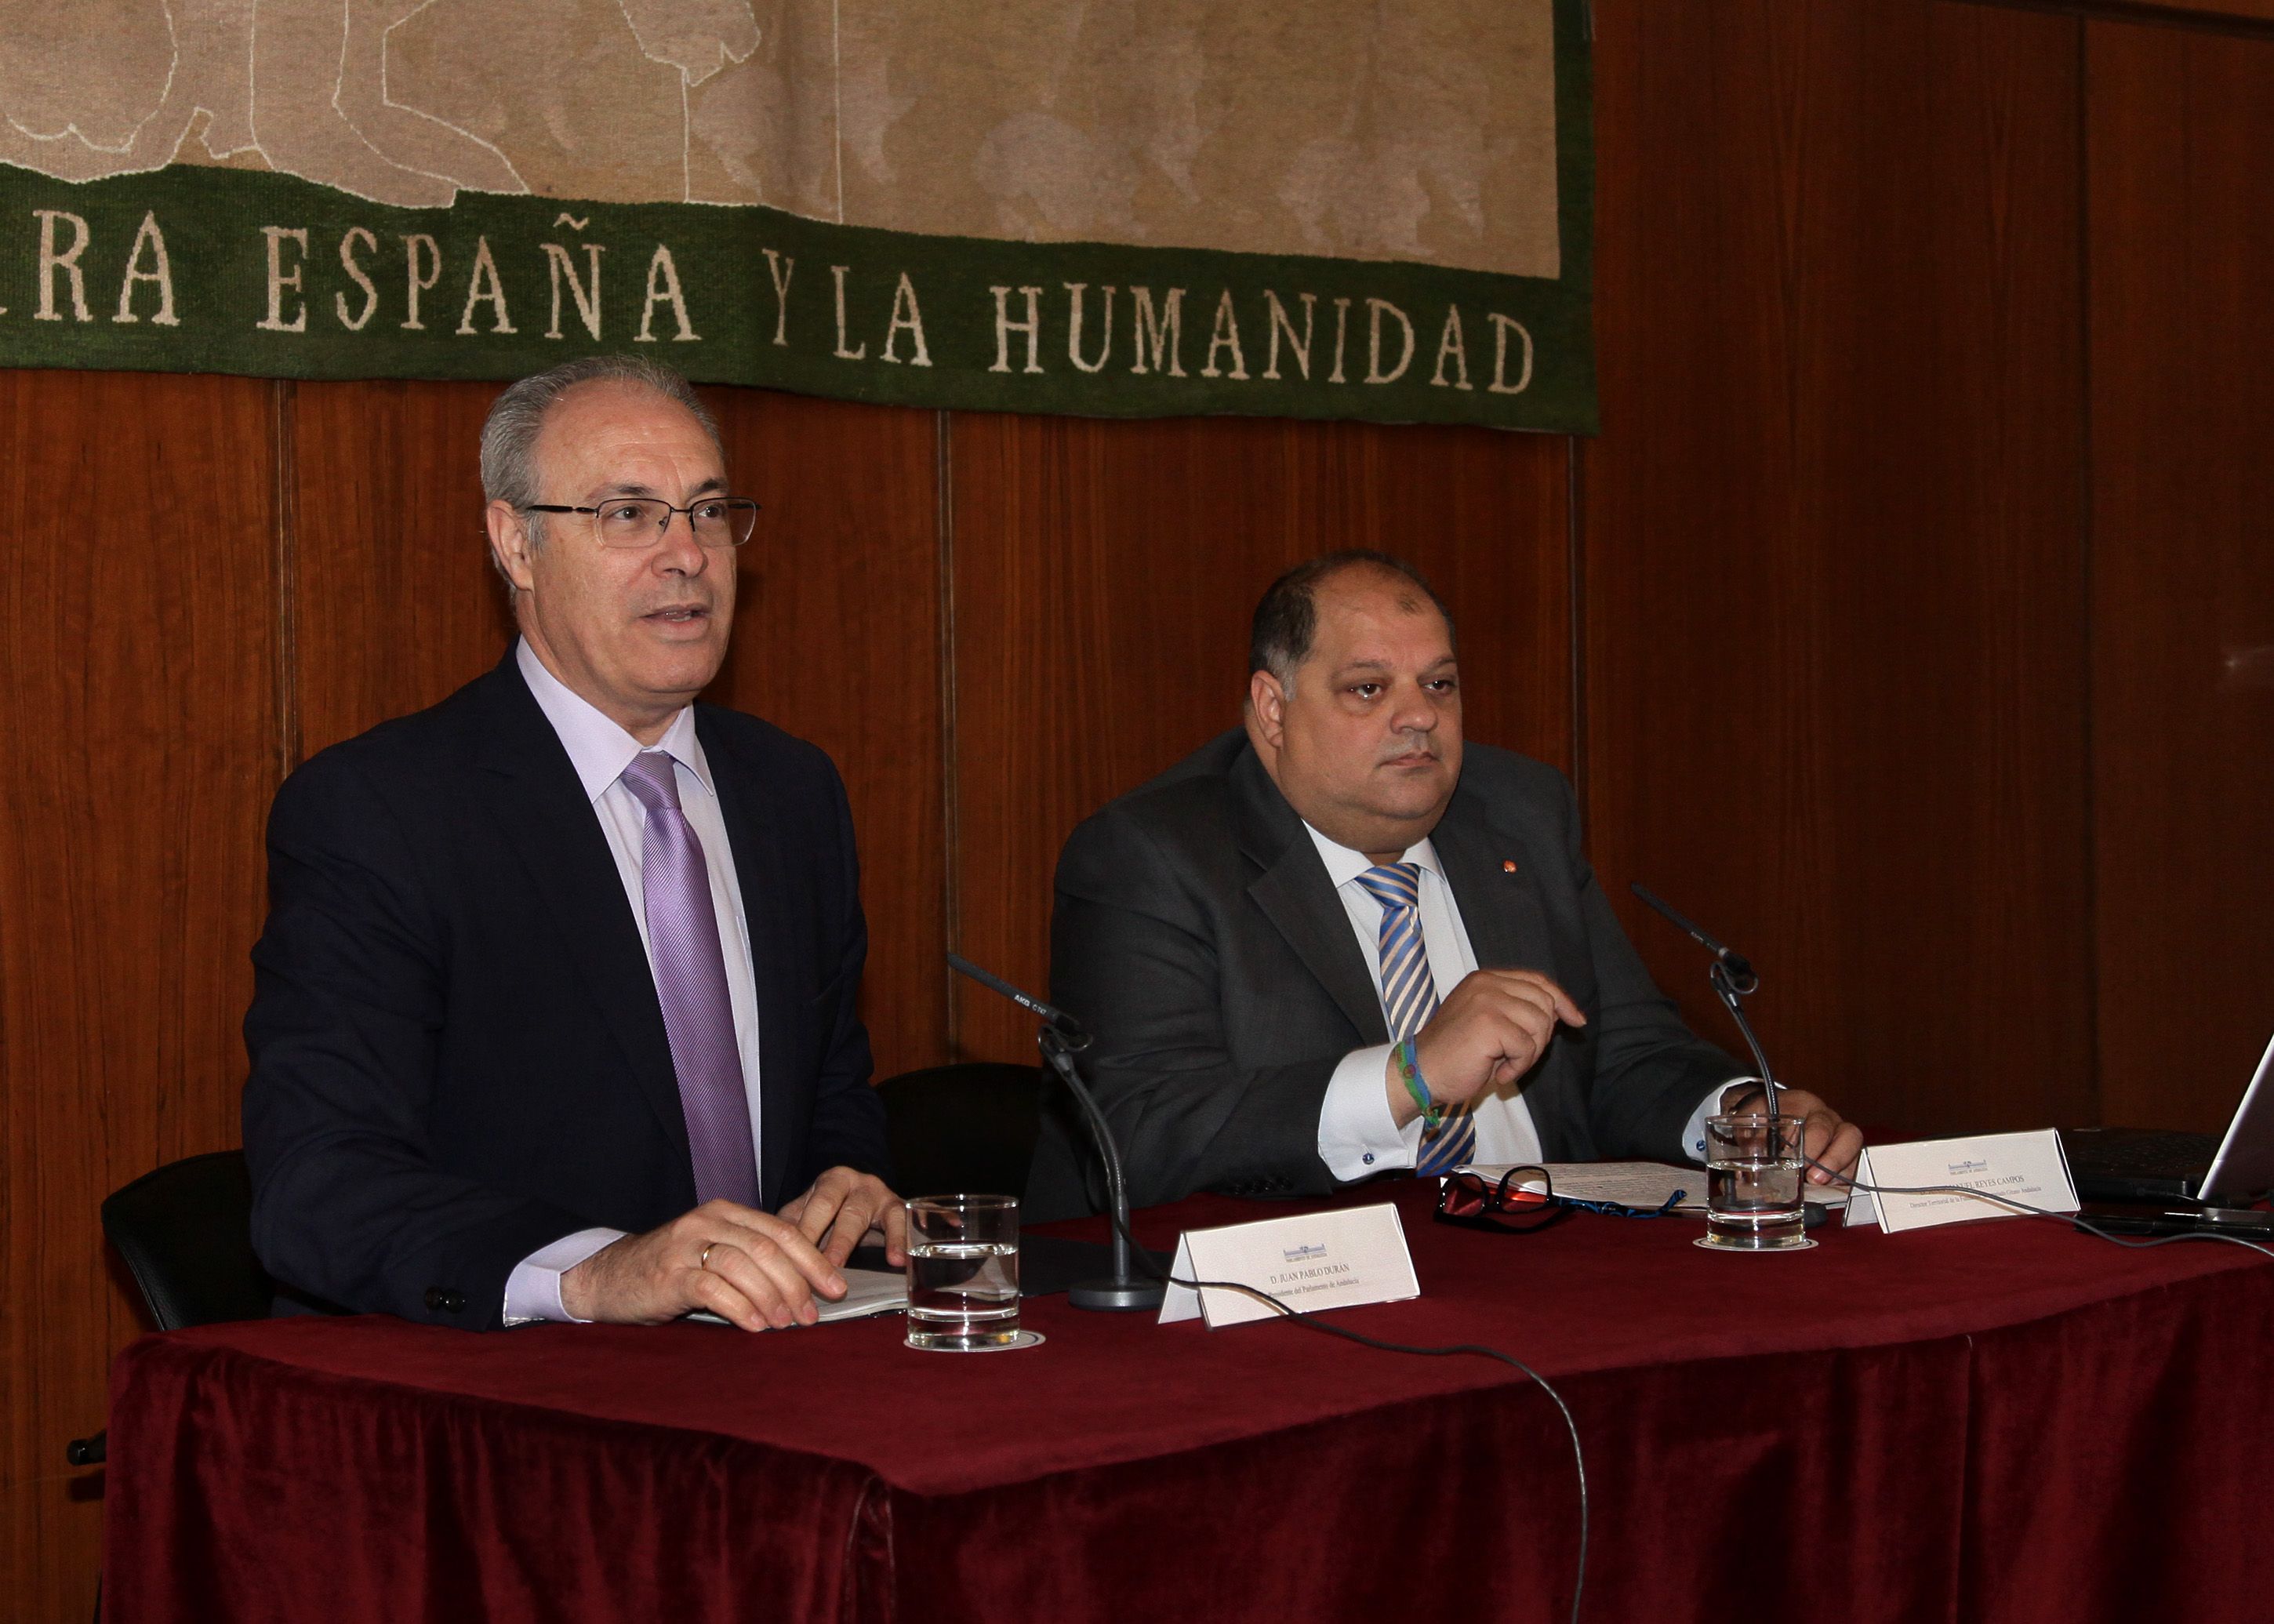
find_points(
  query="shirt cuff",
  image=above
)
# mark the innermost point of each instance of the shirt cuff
(1357, 1137)
(532, 1291)
(1693, 1133)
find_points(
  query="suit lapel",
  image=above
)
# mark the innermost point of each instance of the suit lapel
(551, 825)
(1299, 898)
(1500, 909)
(773, 906)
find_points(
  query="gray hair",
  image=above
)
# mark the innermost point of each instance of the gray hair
(516, 419)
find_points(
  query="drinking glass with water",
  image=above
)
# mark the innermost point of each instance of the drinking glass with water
(963, 1271)
(1754, 1200)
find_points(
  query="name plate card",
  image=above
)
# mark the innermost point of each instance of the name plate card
(2022, 1166)
(1333, 1259)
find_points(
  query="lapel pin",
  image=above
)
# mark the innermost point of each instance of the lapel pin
(1508, 865)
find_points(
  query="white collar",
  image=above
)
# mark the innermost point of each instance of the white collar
(598, 748)
(1344, 865)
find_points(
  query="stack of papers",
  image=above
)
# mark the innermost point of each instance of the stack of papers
(867, 1291)
(1645, 1184)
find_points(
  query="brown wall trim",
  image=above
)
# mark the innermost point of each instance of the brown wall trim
(951, 898)
(284, 442)
(2213, 17)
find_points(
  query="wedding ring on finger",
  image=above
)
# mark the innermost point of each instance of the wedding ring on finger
(704, 1261)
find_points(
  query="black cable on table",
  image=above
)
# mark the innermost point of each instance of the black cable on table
(1144, 1260)
(2071, 1219)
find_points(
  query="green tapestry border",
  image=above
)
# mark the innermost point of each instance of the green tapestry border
(202, 269)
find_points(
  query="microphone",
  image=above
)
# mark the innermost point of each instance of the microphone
(1741, 968)
(1731, 976)
(1079, 1039)
(1061, 1038)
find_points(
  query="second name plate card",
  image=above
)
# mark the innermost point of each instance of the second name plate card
(1330, 1259)
(2028, 1168)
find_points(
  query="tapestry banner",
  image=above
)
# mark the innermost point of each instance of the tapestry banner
(1155, 211)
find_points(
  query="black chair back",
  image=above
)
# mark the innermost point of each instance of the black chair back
(963, 1129)
(185, 1231)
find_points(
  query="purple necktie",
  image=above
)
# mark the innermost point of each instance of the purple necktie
(690, 981)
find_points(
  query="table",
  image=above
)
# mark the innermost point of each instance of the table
(2004, 1421)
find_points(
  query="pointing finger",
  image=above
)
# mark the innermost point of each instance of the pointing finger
(1570, 1013)
(1536, 987)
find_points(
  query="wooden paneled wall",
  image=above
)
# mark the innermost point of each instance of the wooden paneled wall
(1842, 493)
(2181, 257)
(1911, 623)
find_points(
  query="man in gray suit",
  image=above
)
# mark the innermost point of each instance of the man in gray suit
(1337, 945)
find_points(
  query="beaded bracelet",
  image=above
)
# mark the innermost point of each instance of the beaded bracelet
(1409, 1067)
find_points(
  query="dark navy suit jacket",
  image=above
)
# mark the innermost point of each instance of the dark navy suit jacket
(457, 1052)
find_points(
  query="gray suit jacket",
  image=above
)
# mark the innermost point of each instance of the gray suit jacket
(1198, 936)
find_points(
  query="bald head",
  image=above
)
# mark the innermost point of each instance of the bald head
(1286, 618)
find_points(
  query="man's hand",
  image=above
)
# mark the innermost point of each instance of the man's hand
(1490, 1031)
(1824, 1137)
(842, 1206)
(746, 1266)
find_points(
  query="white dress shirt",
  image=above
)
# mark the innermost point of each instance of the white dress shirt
(1358, 1136)
(601, 750)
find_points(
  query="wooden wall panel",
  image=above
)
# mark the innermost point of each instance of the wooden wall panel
(1833, 585)
(837, 638)
(395, 603)
(139, 744)
(2182, 257)
(2212, 11)
(1105, 574)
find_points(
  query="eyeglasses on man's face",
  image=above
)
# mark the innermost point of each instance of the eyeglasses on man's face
(641, 521)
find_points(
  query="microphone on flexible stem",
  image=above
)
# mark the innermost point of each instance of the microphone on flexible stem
(1732, 976)
(1060, 1039)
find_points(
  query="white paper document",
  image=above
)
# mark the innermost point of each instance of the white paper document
(1313, 1260)
(2030, 1168)
(1645, 1184)
(867, 1291)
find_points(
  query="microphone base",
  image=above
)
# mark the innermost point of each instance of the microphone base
(1117, 1295)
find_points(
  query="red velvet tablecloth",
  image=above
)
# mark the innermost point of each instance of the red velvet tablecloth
(1998, 1421)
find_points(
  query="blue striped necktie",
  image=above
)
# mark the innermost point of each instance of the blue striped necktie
(1409, 997)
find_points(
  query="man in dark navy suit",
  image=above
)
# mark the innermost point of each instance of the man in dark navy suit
(555, 1009)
